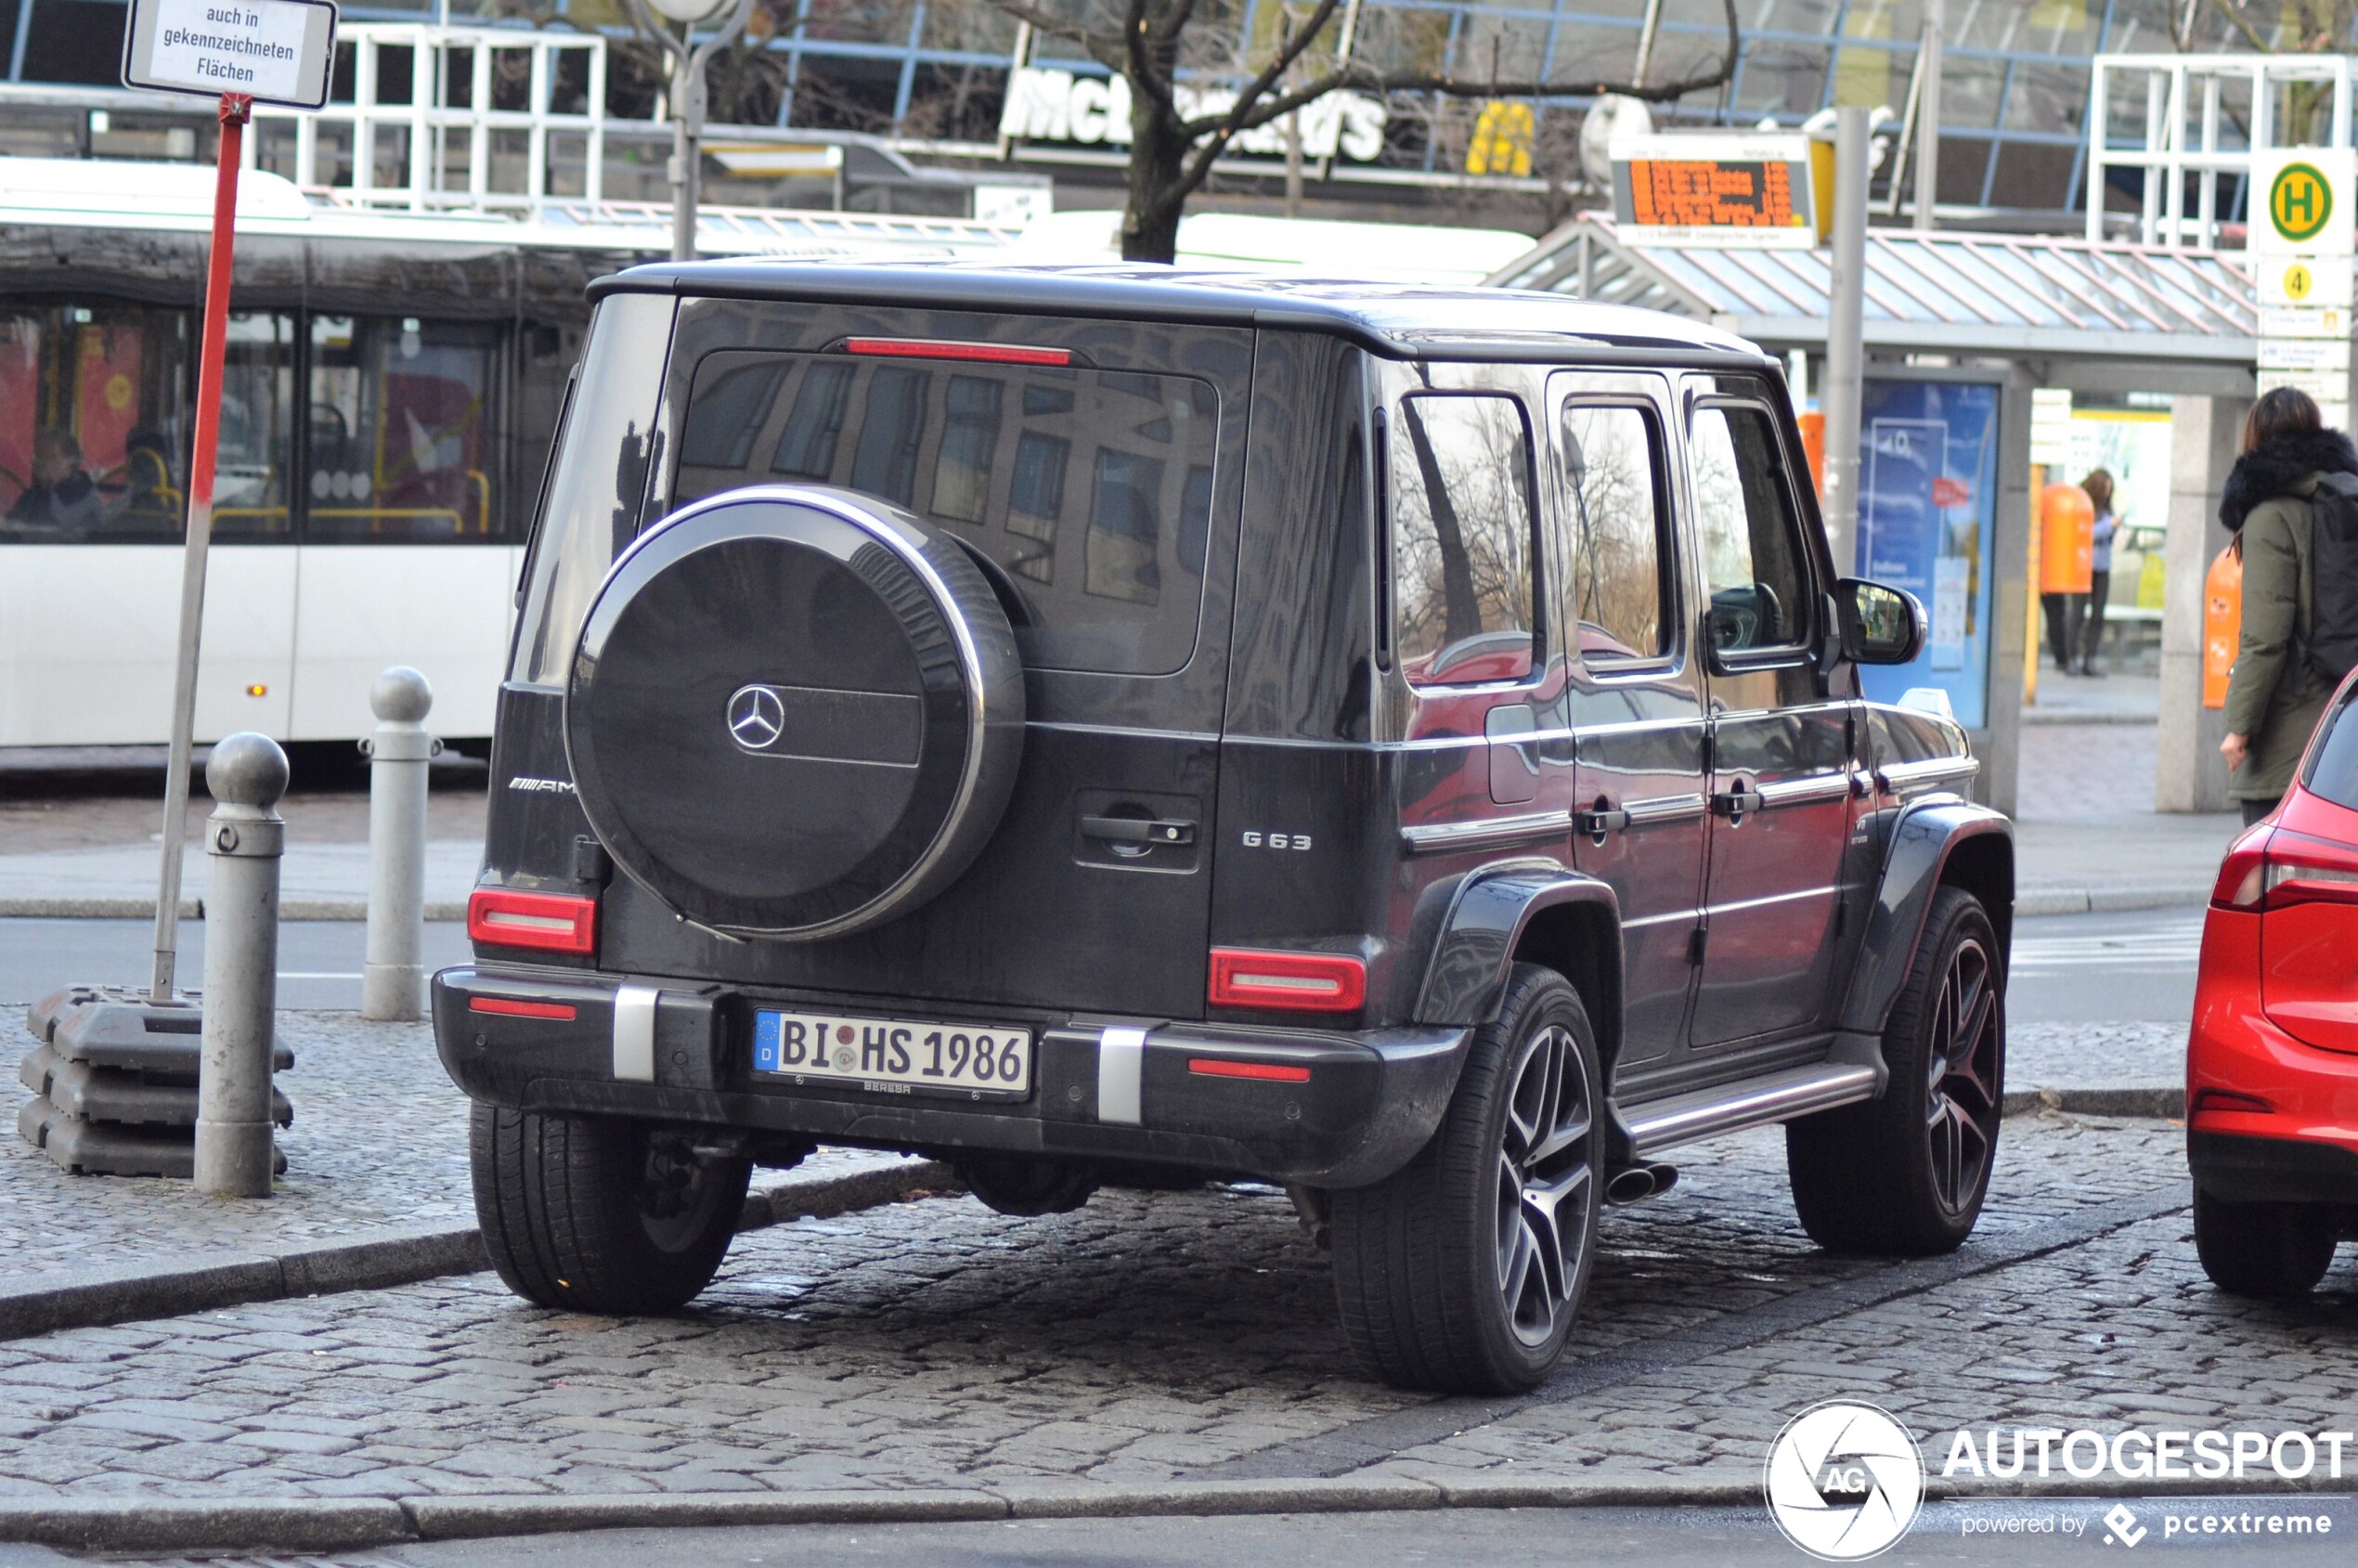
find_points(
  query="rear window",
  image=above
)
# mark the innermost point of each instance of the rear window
(1088, 491)
(2333, 759)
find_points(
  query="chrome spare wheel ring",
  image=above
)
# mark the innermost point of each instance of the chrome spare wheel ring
(1545, 1190)
(1961, 1113)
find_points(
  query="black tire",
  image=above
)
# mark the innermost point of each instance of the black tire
(599, 1214)
(1905, 1175)
(1463, 1271)
(2266, 1249)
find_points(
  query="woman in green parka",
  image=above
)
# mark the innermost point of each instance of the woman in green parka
(2276, 697)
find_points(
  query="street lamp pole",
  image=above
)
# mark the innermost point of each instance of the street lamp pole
(656, 18)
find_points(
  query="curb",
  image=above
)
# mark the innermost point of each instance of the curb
(2111, 901)
(92, 1298)
(193, 909)
(308, 1524)
(2166, 1102)
(2041, 717)
(313, 1524)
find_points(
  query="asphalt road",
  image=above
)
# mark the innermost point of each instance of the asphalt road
(318, 960)
(2069, 969)
(2016, 1535)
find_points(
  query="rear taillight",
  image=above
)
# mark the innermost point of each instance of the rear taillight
(2243, 875)
(2272, 868)
(2306, 869)
(1292, 982)
(548, 922)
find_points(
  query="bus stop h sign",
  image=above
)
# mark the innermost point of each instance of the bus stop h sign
(275, 51)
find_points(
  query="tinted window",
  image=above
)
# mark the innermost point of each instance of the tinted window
(1622, 595)
(597, 482)
(2333, 759)
(1091, 489)
(1461, 540)
(94, 439)
(1751, 538)
(401, 426)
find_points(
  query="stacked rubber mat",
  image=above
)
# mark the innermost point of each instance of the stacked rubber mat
(116, 1077)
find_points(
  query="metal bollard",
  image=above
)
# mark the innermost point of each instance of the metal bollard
(245, 837)
(393, 981)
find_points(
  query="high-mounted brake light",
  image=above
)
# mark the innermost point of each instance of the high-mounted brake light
(944, 348)
(1268, 1073)
(1293, 982)
(550, 922)
(512, 1007)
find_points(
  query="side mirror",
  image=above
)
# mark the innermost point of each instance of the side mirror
(1880, 625)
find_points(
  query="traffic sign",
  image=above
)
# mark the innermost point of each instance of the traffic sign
(2303, 201)
(2321, 282)
(2323, 386)
(271, 51)
(2303, 321)
(2305, 353)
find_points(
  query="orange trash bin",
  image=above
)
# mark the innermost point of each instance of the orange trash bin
(2067, 539)
(2222, 625)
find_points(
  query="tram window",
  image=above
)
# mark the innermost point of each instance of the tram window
(256, 447)
(400, 431)
(93, 432)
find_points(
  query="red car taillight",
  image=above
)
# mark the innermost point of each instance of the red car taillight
(2243, 875)
(1292, 982)
(548, 922)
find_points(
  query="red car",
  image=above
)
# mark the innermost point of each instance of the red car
(2271, 1062)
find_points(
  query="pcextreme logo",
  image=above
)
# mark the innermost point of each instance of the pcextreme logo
(1843, 1480)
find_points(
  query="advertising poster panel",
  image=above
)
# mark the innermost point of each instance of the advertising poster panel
(1927, 521)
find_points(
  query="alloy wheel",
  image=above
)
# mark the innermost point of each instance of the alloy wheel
(1961, 1115)
(1545, 1190)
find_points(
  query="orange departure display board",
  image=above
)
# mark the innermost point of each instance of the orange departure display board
(1715, 189)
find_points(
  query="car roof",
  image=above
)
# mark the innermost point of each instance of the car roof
(1402, 321)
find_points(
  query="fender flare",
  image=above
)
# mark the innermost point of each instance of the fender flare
(1465, 977)
(1918, 850)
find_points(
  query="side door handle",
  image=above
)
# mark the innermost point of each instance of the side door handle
(1600, 821)
(1139, 830)
(1733, 803)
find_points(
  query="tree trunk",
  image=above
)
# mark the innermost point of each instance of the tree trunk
(1158, 172)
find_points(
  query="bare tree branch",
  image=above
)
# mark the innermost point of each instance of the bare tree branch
(1290, 46)
(1144, 42)
(1248, 115)
(1048, 21)
(2242, 24)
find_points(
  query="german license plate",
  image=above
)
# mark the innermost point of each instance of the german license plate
(893, 1054)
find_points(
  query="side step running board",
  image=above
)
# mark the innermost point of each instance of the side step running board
(1756, 1102)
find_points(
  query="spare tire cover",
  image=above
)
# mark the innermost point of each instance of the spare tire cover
(795, 711)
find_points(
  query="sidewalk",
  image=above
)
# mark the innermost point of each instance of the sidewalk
(376, 1193)
(2087, 836)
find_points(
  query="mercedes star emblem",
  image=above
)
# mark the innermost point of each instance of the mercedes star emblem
(756, 717)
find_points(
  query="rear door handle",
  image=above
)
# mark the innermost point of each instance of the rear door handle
(1733, 803)
(1139, 830)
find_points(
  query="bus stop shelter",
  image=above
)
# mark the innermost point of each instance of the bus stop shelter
(1959, 329)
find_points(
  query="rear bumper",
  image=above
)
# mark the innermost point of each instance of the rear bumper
(1115, 1089)
(2242, 1169)
(2270, 1118)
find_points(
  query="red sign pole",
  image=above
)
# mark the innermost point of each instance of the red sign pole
(235, 107)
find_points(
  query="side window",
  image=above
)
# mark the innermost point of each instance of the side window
(1461, 540)
(94, 442)
(1752, 550)
(1621, 591)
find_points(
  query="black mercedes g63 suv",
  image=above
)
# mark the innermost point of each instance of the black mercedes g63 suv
(1091, 725)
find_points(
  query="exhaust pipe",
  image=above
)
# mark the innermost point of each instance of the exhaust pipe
(1634, 1183)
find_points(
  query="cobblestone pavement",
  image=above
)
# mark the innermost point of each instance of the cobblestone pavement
(2078, 1056)
(1150, 1336)
(379, 1139)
